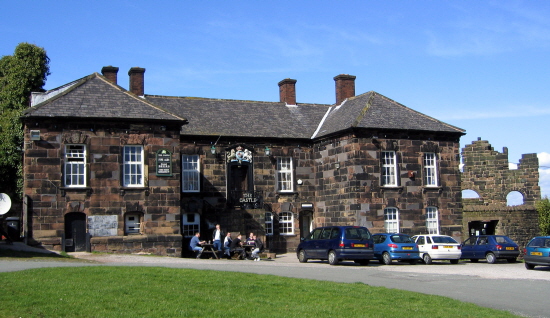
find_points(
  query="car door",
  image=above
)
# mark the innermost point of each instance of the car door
(325, 242)
(310, 243)
(468, 248)
(481, 247)
(421, 242)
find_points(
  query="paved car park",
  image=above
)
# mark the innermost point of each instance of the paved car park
(507, 286)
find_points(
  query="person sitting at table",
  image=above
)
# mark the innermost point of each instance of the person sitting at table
(227, 244)
(237, 246)
(195, 244)
(258, 248)
(217, 236)
(250, 239)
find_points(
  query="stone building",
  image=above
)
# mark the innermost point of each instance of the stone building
(487, 173)
(122, 171)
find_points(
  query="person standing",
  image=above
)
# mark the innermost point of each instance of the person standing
(258, 248)
(195, 244)
(217, 236)
(227, 244)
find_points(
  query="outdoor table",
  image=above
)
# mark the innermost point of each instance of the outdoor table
(248, 250)
(209, 248)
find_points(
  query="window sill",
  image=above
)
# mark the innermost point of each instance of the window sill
(64, 190)
(437, 189)
(393, 188)
(123, 190)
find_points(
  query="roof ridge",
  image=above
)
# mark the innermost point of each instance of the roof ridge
(227, 100)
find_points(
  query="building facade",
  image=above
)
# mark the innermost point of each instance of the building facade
(108, 169)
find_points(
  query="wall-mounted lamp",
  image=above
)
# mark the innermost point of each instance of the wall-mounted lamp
(213, 149)
(337, 165)
(267, 151)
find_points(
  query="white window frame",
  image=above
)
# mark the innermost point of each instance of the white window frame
(128, 230)
(285, 175)
(286, 223)
(389, 168)
(391, 220)
(134, 167)
(430, 169)
(432, 220)
(268, 223)
(75, 166)
(189, 228)
(190, 173)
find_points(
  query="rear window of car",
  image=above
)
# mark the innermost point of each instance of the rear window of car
(357, 233)
(443, 239)
(401, 239)
(539, 242)
(503, 240)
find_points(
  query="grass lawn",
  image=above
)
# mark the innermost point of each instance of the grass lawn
(124, 291)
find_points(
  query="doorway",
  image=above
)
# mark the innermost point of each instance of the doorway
(75, 232)
(306, 223)
(476, 228)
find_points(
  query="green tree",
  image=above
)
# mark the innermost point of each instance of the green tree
(543, 208)
(20, 74)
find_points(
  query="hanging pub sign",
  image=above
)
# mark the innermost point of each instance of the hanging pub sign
(164, 163)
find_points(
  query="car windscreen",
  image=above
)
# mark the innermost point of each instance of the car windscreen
(443, 239)
(357, 233)
(401, 239)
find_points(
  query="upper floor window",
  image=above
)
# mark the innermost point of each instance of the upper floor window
(190, 173)
(286, 223)
(430, 169)
(133, 166)
(75, 165)
(191, 224)
(268, 223)
(389, 168)
(432, 220)
(285, 180)
(391, 220)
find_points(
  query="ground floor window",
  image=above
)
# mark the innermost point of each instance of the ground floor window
(132, 223)
(286, 223)
(391, 220)
(268, 223)
(432, 220)
(191, 224)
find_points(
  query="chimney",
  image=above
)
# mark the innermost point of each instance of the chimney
(137, 80)
(345, 87)
(110, 72)
(287, 91)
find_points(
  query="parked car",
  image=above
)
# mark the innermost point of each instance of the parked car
(490, 247)
(337, 243)
(394, 246)
(438, 247)
(537, 252)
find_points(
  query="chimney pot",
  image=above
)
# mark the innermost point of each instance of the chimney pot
(137, 80)
(287, 91)
(110, 72)
(345, 87)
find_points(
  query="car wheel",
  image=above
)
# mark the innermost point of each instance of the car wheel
(529, 266)
(332, 259)
(511, 260)
(427, 259)
(454, 261)
(386, 258)
(302, 256)
(413, 261)
(490, 257)
(474, 260)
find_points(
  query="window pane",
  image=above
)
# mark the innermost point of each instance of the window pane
(75, 166)
(389, 168)
(286, 223)
(133, 166)
(284, 174)
(391, 220)
(190, 175)
(430, 169)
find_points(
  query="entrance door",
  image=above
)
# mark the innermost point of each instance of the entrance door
(476, 228)
(75, 232)
(306, 223)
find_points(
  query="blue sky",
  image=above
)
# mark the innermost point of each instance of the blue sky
(480, 65)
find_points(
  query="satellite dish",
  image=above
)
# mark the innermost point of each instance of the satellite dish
(5, 203)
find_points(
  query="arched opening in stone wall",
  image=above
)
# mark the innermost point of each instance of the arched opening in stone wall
(514, 198)
(470, 194)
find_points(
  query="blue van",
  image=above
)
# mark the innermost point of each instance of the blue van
(337, 243)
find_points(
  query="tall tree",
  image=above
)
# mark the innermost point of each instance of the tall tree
(20, 74)
(543, 208)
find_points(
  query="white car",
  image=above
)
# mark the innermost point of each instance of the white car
(438, 247)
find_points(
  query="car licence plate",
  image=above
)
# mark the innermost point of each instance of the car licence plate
(447, 246)
(407, 248)
(536, 253)
(358, 245)
(509, 248)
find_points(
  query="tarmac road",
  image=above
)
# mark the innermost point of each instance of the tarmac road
(502, 286)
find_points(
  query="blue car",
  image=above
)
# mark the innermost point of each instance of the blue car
(490, 247)
(393, 246)
(337, 243)
(537, 252)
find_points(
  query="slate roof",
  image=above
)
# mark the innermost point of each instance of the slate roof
(375, 111)
(95, 97)
(243, 118)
